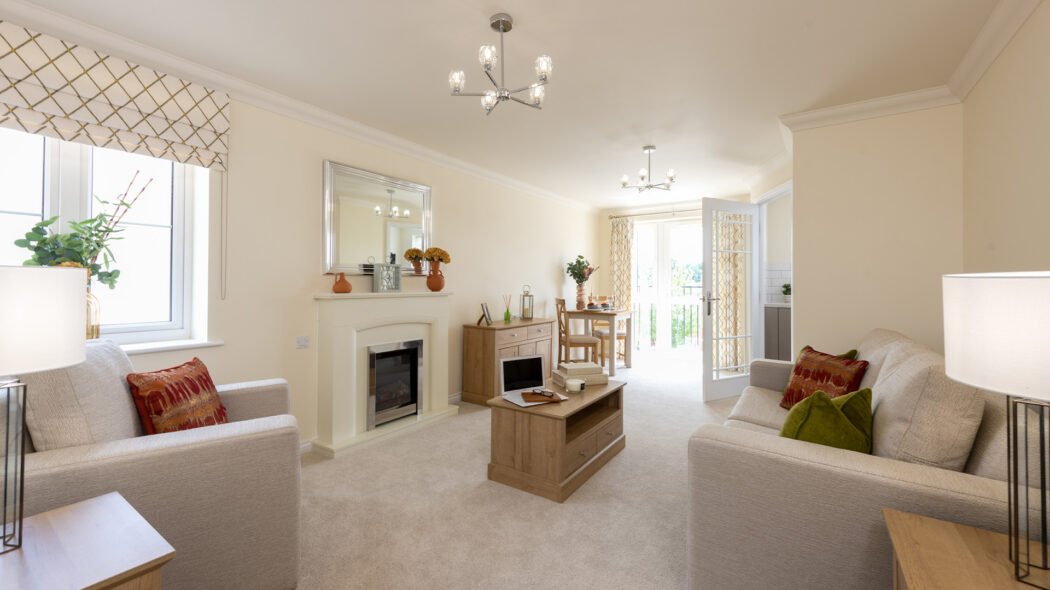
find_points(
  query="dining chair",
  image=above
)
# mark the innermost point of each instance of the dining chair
(601, 332)
(567, 340)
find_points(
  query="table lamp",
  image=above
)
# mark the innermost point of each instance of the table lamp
(42, 327)
(997, 337)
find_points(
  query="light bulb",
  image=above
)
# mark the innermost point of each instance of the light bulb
(379, 211)
(405, 213)
(643, 173)
(624, 180)
(456, 80)
(489, 100)
(670, 175)
(544, 66)
(487, 56)
(536, 94)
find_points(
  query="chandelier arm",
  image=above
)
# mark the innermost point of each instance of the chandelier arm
(502, 60)
(518, 100)
(529, 87)
(491, 79)
(489, 112)
(468, 94)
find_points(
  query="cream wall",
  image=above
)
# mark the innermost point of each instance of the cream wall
(1007, 156)
(499, 239)
(772, 180)
(878, 218)
(778, 232)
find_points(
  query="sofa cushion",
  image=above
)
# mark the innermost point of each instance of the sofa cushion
(82, 404)
(988, 455)
(922, 416)
(843, 422)
(815, 370)
(761, 407)
(752, 427)
(873, 348)
(177, 398)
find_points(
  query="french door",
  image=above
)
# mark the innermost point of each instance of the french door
(732, 308)
(667, 286)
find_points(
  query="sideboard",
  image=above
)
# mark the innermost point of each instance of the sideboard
(484, 346)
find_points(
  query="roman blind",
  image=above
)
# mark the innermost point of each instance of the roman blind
(64, 90)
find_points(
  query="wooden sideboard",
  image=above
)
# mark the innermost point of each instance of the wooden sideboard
(484, 346)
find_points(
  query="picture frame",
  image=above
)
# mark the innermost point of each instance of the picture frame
(386, 278)
(485, 315)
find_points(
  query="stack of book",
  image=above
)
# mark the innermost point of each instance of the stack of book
(589, 373)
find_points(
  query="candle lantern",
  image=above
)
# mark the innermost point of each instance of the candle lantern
(526, 303)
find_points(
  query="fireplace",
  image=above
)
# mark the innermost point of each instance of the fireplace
(395, 374)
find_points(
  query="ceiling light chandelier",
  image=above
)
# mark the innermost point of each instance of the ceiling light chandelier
(645, 175)
(488, 57)
(393, 211)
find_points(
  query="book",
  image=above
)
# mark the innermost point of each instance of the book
(559, 377)
(576, 369)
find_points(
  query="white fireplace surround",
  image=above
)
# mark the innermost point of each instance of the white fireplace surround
(348, 325)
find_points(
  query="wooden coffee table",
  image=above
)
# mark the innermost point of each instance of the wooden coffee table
(551, 449)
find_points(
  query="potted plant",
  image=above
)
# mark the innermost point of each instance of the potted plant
(415, 256)
(436, 278)
(580, 270)
(82, 246)
(786, 290)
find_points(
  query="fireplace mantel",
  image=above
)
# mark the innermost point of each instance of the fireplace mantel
(347, 325)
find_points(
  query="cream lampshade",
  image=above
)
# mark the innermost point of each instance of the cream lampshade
(997, 337)
(43, 312)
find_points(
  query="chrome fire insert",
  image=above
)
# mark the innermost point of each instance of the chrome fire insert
(395, 378)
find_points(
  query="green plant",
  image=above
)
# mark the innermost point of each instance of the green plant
(86, 241)
(580, 270)
(786, 289)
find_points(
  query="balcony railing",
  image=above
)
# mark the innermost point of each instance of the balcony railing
(686, 326)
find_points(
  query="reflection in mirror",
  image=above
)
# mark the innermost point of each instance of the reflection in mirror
(371, 218)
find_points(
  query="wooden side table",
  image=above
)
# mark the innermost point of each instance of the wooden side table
(932, 554)
(98, 543)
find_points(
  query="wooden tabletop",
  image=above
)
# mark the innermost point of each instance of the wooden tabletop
(598, 312)
(97, 543)
(940, 555)
(499, 324)
(577, 400)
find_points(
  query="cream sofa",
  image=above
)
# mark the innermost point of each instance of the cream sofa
(770, 512)
(225, 497)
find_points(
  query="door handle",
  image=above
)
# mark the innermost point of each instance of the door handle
(709, 299)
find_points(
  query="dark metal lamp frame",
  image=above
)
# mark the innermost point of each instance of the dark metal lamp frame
(13, 469)
(1029, 531)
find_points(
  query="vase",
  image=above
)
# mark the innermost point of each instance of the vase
(341, 284)
(417, 267)
(436, 279)
(580, 302)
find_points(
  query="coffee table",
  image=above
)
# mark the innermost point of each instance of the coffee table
(550, 450)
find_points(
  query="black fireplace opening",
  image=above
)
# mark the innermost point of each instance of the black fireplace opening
(393, 381)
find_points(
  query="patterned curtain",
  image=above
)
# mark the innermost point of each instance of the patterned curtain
(732, 252)
(62, 90)
(621, 257)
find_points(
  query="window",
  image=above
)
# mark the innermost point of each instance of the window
(43, 177)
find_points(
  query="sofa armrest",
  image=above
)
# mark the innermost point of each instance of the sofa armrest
(226, 497)
(255, 399)
(771, 374)
(771, 512)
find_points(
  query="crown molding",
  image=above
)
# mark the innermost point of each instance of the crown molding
(64, 27)
(895, 104)
(1006, 19)
(784, 189)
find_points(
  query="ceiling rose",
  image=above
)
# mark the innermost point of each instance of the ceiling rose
(488, 57)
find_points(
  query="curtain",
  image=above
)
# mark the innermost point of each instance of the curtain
(621, 257)
(63, 90)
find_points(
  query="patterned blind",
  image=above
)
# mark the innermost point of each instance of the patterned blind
(66, 91)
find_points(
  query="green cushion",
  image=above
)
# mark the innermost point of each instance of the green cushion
(843, 422)
(850, 355)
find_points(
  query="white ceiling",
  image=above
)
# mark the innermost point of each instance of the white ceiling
(705, 80)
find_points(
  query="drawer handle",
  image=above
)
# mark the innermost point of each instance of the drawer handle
(513, 334)
(609, 432)
(583, 453)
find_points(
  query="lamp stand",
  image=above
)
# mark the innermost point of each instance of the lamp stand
(1026, 422)
(12, 429)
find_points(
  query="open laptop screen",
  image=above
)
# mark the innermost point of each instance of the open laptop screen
(522, 373)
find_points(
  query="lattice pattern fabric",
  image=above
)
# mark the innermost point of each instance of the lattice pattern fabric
(732, 252)
(622, 248)
(62, 90)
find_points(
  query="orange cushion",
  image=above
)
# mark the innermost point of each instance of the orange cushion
(815, 370)
(178, 398)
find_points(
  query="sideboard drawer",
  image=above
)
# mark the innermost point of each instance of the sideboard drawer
(610, 431)
(510, 336)
(577, 453)
(539, 331)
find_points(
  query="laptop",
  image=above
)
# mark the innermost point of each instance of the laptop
(520, 374)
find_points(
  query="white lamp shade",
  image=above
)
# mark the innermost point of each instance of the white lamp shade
(997, 332)
(43, 315)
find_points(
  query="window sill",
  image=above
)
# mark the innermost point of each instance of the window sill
(168, 345)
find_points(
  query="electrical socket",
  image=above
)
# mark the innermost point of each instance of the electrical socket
(302, 342)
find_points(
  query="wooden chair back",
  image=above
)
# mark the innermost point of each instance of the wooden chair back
(563, 319)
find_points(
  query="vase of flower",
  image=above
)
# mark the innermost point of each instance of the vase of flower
(436, 278)
(415, 256)
(580, 270)
(581, 302)
(341, 284)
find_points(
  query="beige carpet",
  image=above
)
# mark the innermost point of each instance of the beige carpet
(416, 510)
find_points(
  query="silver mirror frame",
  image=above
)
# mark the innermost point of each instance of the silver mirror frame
(328, 258)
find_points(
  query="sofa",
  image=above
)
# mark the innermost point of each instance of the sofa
(226, 497)
(772, 512)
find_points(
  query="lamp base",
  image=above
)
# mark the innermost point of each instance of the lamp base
(1027, 432)
(12, 433)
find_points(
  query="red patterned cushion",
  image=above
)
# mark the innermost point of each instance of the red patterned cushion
(815, 370)
(178, 398)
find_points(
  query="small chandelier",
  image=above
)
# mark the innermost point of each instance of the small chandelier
(393, 211)
(488, 57)
(645, 175)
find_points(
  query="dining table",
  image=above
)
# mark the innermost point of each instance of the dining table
(611, 316)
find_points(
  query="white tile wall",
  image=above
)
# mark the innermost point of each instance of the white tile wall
(775, 278)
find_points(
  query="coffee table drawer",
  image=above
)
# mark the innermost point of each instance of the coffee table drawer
(579, 452)
(609, 432)
(539, 331)
(511, 336)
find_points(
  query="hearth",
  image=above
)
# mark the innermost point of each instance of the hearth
(394, 380)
